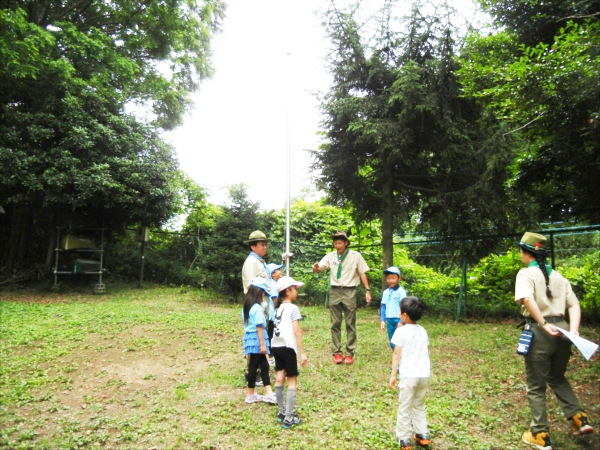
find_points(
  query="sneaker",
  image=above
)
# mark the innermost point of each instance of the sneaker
(423, 439)
(281, 417)
(271, 361)
(269, 398)
(258, 382)
(581, 425)
(348, 360)
(253, 398)
(405, 444)
(540, 440)
(290, 423)
(338, 358)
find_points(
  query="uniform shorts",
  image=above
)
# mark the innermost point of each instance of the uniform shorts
(285, 359)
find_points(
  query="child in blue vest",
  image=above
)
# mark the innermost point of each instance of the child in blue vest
(256, 341)
(390, 302)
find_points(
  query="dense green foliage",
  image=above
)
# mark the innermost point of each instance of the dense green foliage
(69, 73)
(539, 74)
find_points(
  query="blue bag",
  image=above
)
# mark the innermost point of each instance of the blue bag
(525, 340)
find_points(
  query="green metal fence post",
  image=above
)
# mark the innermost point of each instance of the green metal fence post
(462, 295)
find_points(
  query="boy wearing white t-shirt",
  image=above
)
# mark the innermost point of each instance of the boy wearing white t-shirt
(286, 345)
(411, 359)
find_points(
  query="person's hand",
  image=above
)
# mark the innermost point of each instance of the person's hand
(382, 326)
(303, 359)
(263, 349)
(368, 297)
(393, 380)
(315, 267)
(551, 330)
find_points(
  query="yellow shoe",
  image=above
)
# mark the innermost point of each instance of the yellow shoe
(540, 440)
(581, 424)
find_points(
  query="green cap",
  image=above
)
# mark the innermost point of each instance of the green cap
(535, 243)
(256, 236)
(339, 235)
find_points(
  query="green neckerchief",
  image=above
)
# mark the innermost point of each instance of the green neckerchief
(340, 259)
(535, 264)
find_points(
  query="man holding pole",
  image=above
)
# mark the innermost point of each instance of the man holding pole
(347, 269)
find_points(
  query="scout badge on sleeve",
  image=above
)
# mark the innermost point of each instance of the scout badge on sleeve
(525, 340)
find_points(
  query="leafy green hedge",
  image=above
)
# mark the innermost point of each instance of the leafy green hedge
(490, 285)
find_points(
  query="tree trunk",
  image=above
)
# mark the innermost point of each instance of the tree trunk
(387, 221)
(18, 240)
(52, 244)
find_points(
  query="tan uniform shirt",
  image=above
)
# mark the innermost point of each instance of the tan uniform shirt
(353, 267)
(253, 268)
(531, 284)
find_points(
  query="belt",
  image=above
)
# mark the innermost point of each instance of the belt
(342, 287)
(549, 319)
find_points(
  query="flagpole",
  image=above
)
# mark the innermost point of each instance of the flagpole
(287, 203)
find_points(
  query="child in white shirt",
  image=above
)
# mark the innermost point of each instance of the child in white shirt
(411, 357)
(286, 345)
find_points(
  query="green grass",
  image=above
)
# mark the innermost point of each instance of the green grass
(163, 367)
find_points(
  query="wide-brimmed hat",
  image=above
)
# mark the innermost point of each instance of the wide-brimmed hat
(392, 270)
(285, 282)
(534, 243)
(340, 235)
(261, 283)
(256, 236)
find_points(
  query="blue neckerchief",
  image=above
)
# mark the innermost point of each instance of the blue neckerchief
(264, 263)
(257, 257)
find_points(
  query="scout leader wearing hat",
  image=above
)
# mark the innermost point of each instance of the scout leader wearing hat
(545, 295)
(348, 269)
(255, 265)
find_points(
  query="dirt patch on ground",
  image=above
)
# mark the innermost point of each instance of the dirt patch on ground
(132, 362)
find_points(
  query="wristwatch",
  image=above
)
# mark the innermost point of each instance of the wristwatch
(543, 323)
(368, 289)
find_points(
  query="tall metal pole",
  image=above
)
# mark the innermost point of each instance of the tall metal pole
(287, 203)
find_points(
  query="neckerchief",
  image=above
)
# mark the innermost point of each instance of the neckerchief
(535, 264)
(257, 257)
(340, 259)
(262, 261)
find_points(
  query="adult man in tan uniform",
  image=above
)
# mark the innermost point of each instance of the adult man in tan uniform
(255, 264)
(348, 268)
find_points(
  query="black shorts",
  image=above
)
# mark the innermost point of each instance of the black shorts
(285, 359)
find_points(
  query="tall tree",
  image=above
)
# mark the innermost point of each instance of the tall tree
(400, 142)
(224, 251)
(67, 72)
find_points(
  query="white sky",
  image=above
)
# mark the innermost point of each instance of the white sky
(238, 129)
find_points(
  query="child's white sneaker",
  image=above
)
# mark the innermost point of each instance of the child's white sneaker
(270, 398)
(253, 398)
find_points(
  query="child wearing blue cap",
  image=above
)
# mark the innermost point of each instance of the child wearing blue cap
(256, 341)
(274, 272)
(390, 302)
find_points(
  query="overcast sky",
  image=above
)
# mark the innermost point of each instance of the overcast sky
(238, 129)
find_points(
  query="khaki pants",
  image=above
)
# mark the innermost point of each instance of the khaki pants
(411, 409)
(546, 364)
(342, 301)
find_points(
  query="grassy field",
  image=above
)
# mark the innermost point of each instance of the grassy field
(162, 368)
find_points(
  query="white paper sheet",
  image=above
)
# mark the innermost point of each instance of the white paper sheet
(587, 348)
